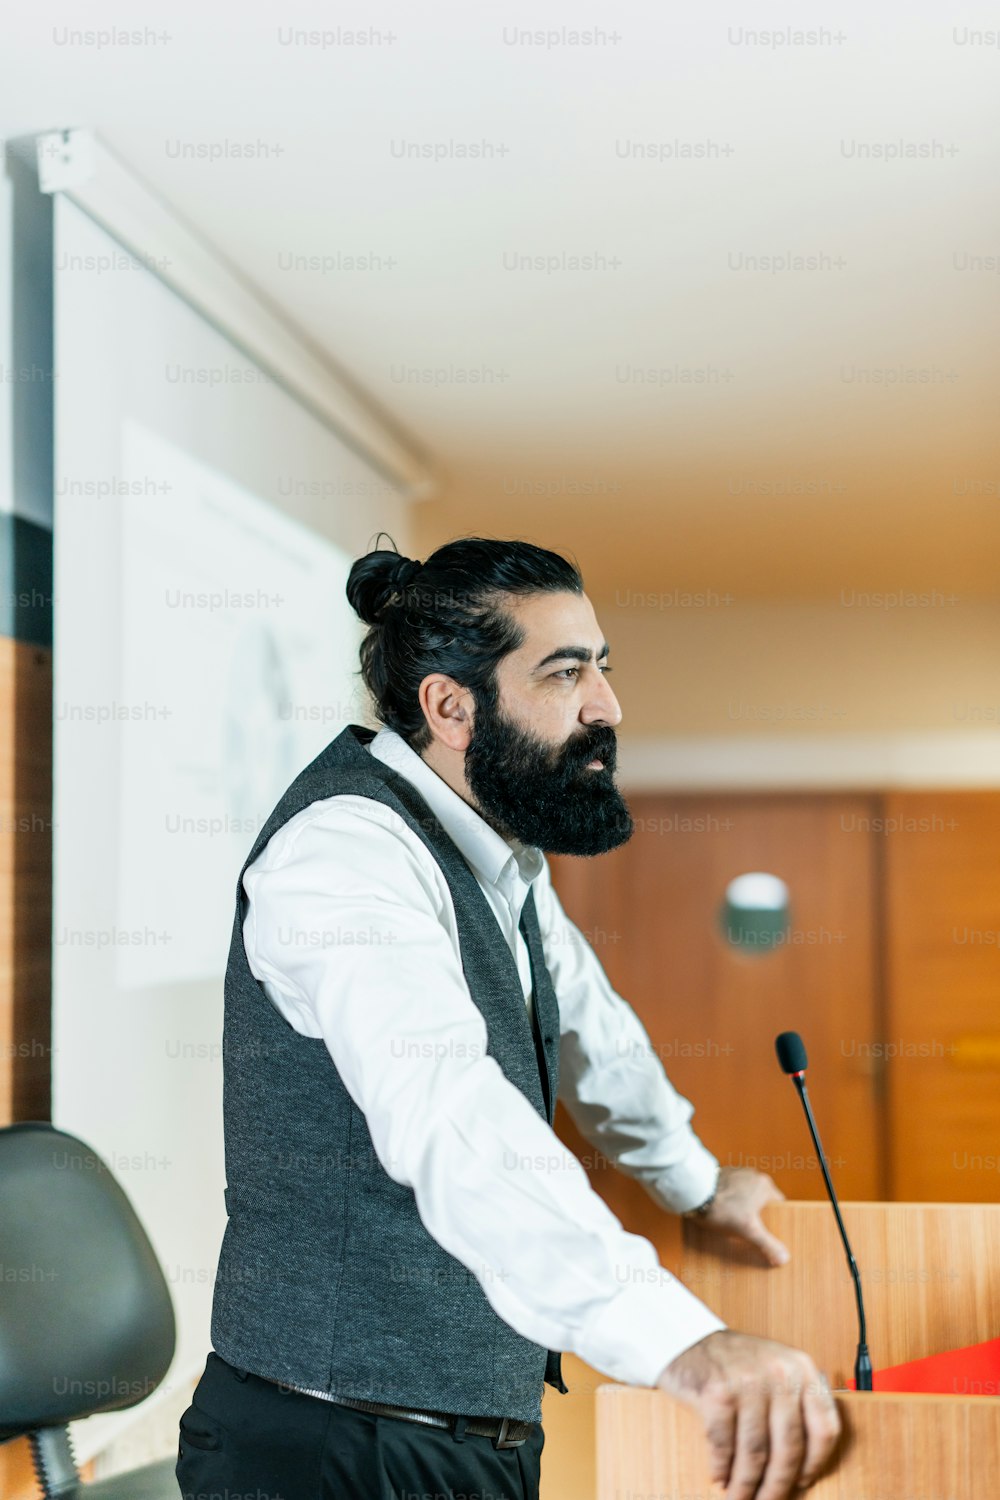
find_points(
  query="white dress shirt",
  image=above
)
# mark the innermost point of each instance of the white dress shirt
(351, 931)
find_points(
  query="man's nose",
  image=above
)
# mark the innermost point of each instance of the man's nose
(602, 706)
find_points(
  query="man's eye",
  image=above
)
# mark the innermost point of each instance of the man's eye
(572, 671)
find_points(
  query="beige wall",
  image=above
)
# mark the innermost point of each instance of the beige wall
(775, 668)
(730, 666)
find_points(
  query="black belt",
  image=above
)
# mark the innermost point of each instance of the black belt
(504, 1432)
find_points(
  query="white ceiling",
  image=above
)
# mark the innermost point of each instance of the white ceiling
(534, 391)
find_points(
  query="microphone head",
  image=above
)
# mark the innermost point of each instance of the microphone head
(791, 1052)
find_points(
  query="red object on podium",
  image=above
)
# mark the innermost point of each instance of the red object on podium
(972, 1371)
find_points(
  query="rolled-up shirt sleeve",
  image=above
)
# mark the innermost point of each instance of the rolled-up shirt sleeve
(352, 921)
(611, 1079)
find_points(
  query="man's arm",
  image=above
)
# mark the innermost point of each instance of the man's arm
(493, 1184)
(613, 1084)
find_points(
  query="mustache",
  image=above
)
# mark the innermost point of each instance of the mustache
(597, 744)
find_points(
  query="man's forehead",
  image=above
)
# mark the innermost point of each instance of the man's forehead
(553, 621)
(552, 613)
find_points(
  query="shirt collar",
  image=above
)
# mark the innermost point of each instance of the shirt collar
(491, 857)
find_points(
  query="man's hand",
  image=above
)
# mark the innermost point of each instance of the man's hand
(770, 1420)
(739, 1197)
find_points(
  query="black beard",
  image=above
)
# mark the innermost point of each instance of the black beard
(545, 795)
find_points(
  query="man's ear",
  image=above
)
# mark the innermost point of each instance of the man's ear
(448, 710)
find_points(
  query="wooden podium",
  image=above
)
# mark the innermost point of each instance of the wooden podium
(931, 1279)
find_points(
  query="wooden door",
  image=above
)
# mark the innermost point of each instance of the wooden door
(942, 853)
(651, 911)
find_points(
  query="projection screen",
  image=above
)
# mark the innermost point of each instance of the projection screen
(204, 523)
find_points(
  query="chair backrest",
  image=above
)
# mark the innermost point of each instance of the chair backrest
(87, 1323)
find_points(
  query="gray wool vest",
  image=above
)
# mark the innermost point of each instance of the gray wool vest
(327, 1279)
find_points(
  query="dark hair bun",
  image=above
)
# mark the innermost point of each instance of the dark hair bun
(375, 578)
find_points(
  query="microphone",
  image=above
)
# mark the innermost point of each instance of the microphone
(792, 1057)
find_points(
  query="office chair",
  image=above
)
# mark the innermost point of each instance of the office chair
(87, 1324)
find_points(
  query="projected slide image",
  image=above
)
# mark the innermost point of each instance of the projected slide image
(237, 651)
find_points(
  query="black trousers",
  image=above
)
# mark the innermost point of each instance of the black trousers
(244, 1438)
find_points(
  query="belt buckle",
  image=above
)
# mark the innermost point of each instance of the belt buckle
(501, 1440)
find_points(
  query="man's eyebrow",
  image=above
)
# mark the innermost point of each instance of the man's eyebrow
(571, 653)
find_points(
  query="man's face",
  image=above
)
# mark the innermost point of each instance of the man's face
(528, 762)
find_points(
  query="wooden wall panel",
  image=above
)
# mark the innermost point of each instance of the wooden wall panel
(942, 857)
(25, 926)
(25, 881)
(713, 1012)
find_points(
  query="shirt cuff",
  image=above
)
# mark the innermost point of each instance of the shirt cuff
(689, 1183)
(645, 1326)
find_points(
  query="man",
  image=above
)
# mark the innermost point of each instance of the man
(409, 1245)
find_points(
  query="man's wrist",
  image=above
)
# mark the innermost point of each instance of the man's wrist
(688, 1181)
(645, 1326)
(702, 1209)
